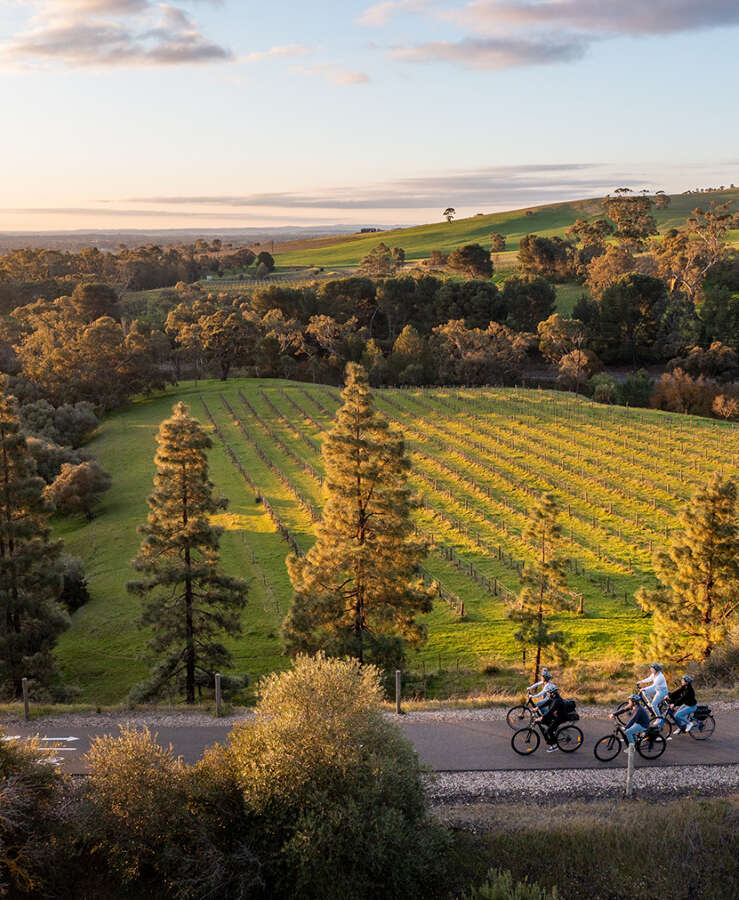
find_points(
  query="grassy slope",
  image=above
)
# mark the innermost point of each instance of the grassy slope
(101, 652)
(419, 241)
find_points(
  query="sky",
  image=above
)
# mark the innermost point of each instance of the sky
(226, 113)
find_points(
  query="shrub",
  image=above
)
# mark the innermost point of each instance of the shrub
(604, 388)
(74, 583)
(335, 788)
(501, 886)
(29, 788)
(151, 819)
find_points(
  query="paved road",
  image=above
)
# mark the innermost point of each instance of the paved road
(445, 744)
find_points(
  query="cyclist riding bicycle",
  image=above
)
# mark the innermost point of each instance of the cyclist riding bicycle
(656, 689)
(684, 704)
(548, 689)
(552, 718)
(639, 720)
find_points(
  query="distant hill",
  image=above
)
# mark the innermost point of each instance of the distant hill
(419, 241)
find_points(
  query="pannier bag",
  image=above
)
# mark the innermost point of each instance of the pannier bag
(702, 712)
(573, 717)
(570, 705)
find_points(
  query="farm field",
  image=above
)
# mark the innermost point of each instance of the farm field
(546, 221)
(480, 457)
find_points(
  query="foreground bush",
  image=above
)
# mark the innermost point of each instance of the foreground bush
(150, 820)
(501, 886)
(335, 789)
(29, 798)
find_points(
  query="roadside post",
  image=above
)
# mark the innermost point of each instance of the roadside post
(398, 710)
(219, 696)
(26, 705)
(629, 769)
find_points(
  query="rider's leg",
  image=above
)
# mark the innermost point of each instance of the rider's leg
(632, 732)
(683, 714)
(658, 697)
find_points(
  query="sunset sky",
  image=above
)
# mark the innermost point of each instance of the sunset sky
(136, 114)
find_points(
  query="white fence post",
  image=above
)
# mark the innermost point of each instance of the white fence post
(629, 769)
(397, 692)
(219, 696)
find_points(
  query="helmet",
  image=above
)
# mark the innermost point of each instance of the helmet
(658, 667)
(687, 678)
(635, 697)
(546, 675)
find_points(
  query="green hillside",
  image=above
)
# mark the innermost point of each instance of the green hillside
(418, 242)
(479, 457)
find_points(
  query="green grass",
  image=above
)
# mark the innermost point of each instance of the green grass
(478, 458)
(418, 242)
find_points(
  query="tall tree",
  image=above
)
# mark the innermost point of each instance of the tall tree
(543, 591)
(357, 591)
(30, 575)
(698, 600)
(188, 603)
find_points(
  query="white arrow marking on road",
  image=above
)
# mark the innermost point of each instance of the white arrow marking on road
(14, 737)
(65, 740)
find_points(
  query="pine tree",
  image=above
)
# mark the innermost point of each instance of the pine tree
(188, 602)
(357, 591)
(30, 575)
(543, 587)
(698, 600)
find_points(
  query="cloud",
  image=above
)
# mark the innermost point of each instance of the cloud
(334, 74)
(493, 53)
(507, 33)
(113, 33)
(289, 50)
(381, 14)
(596, 17)
(498, 186)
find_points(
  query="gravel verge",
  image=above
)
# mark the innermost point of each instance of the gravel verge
(569, 784)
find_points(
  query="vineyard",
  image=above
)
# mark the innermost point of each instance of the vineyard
(480, 457)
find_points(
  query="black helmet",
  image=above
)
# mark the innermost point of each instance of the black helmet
(658, 667)
(546, 675)
(635, 698)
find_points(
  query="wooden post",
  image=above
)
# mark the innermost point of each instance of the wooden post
(219, 696)
(629, 769)
(398, 710)
(26, 705)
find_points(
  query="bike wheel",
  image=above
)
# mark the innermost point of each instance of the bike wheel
(519, 716)
(622, 713)
(666, 727)
(569, 738)
(703, 728)
(651, 746)
(607, 748)
(525, 741)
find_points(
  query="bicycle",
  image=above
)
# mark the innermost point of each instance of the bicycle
(649, 744)
(703, 723)
(526, 740)
(524, 712)
(623, 712)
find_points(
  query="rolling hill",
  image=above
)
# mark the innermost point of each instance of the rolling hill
(480, 457)
(418, 242)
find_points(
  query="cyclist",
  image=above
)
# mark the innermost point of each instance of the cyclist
(639, 720)
(556, 713)
(683, 702)
(548, 689)
(656, 689)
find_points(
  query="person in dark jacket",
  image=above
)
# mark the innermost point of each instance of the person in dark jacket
(639, 720)
(684, 704)
(551, 720)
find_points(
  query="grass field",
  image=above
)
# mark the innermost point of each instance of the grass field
(479, 456)
(419, 241)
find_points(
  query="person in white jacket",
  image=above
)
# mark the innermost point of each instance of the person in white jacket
(548, 689)
(656, 689)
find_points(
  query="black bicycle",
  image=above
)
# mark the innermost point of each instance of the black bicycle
(522, 715)
(703, 723)
(649, 744)
(526, 740)
(623, 712)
